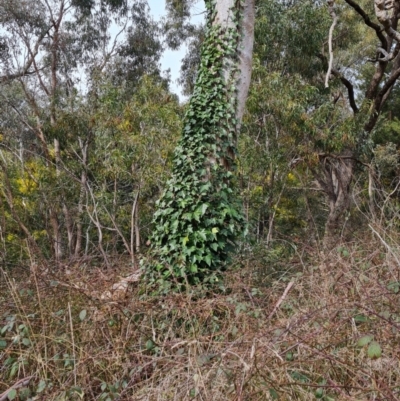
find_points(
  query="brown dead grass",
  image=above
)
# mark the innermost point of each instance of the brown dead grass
(220, 347)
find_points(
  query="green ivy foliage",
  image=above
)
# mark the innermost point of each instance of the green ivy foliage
(199, 215)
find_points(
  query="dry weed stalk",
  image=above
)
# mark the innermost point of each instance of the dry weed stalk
(272, 341)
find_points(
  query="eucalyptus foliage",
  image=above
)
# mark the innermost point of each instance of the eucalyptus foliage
(199, 215)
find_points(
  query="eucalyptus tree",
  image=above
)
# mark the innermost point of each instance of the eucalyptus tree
(199, 217)
(376, 60)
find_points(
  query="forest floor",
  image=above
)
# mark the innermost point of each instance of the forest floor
(310, 327)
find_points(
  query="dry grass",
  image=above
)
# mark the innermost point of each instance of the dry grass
(256, 343)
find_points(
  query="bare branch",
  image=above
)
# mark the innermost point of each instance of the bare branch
(26, 70)
(386, 56)
(109, 54)
(345, 82)
(331, 29)
(10, 77)
(349, 87)
(389, 83)
(380, 99)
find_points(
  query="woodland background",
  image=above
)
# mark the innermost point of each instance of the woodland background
(309, 305)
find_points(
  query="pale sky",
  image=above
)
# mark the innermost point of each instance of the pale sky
(172, 59)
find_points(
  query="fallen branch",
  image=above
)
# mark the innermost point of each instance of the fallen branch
(281, 299)
(20, 383)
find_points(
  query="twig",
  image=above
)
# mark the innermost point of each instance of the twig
(378, 315)
(281, 299)
(331, 29)
(133, 225)
(385, 243)
(73, 340)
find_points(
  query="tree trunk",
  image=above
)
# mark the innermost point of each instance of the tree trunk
(225, 17)
(58, 248)
(84, 145)
(335, 181)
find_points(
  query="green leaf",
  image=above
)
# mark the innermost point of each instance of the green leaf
(41, 386)
(14, 369)
(150, 345)
(12, 394)
(361, 319)
(274, 395)
(76, 390)
(345, 253)
(395, 287)
(215, 230)
(374, 350)
(24, 393)
(365, 340)
(3, 344)
(26, 341)
(82, 314)
(214, 246)
(202, 235)
(299, 376)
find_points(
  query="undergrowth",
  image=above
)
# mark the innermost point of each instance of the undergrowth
(329, 328)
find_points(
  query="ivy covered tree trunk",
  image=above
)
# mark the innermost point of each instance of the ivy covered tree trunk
(199, 215)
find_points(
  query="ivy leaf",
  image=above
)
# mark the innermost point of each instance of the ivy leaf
(196, 215)
(202, 235)
(214, 246)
